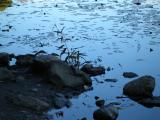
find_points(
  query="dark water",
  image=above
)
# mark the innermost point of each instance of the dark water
(112, 33)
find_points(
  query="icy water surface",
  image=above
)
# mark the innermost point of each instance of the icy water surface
(114, 33)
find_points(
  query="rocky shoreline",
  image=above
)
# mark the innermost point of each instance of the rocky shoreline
(37, 83)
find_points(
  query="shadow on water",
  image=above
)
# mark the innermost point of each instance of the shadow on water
(4, 4)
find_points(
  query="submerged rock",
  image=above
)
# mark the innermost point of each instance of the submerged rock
(141, 87)
(60, 101)
(4, 59)
(63, 75)
(29, 102)
(93, 71)
(108, 112)
(6, 75)
(129, 75)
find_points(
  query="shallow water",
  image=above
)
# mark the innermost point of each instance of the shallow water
(112, 33)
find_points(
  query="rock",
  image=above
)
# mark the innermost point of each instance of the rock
(100, 103)
(84, 118)
(6, 75)
(24, 60)
(111, 80)
(129, 75)
(93, 71)
(63, 75)
(96, 97)
(29, 102)
(1, 45)
(141, 87)
(151, 50)
(108, 112)
(150, 102)
(4, 59)
(60, 101)
(42, 62)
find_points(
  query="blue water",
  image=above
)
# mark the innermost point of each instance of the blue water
(112, 33)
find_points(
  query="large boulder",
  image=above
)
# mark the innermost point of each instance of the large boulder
(4, 59)
(108, 112)
(93, 71)
(141, 87)
(63, 75)
(6, 75)
(29, 102)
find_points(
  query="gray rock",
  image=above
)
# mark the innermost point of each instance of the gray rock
(6, 75)
(111, 80)
(150, 102)
(29, 102)
(141, 87)
(60, 101)
(108, 112)
(129, 75)
(42, 62)
(24, 60)
(4, 59)
(63, 75)
(100, 103)
(93, 71)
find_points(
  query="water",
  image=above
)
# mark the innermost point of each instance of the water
(113, 33)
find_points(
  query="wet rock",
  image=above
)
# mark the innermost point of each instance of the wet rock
(4, 59)
(60, 101)
(141, 87)
(42, 62)
(84, 118)
(129, 75)
(63, 75)
(151, 50)
(29, 102)
(150, 102)
(93, 71)
(24, 60)
(96, 97)
(111, 80)
(108, 112)
(100, 103)
(6, 75)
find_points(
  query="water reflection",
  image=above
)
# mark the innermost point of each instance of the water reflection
(120, 33)
(4, 4)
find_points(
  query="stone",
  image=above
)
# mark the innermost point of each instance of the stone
(140, 87)
(6, 75)
(100, 103)
(150, 102)
(111, 80)
(63, 75)
(60, 101)
(93, 71)
(108, 112)
(4, 59)
(29, 102)
(24, 60)
(129, 75)
(42, 62)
